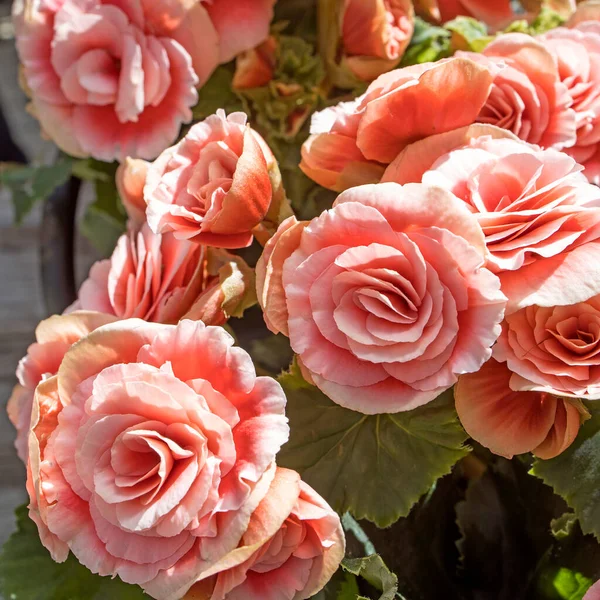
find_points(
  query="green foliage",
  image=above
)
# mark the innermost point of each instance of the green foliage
(468, 34)
(104, 219)
(376, 467)
(27, 572)
(428, 43)
(546, 20)
(562, 526)
(575, 475)
(29, 185)
(282, 106)
(563, 584)
(373, 570)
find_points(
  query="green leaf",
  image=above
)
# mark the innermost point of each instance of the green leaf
(27, 572)
(104, 220)
(575, 475)
(545, 20)
(31, 184)
(429, 43)
(217, 93)
(563, 584)
(562, 526)
(373, 570)
(376, 467)
(466, 32)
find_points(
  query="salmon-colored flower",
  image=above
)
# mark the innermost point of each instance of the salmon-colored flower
(554, 349)
(214, 186)
(293, 545)
(384, 297)
(151, 448)
(593, 593)
(131, 179)
(577, 54)
(162, 279)
(534, 206)
(528, 96)
(375, 35)
(512, 422)
(54, 336)
(255, 67)
(353, 142)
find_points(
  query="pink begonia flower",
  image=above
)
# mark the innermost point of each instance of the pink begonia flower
(162, 279)
(536, 209)
(214, 186)
(375, 35)
(240, 24)
(150, 450)
(384, 297)
(512, 422)
(293, 545)
(528, 96)
(554, 349)
(351, 143)
(111, 80)
(577, 53)
(54, 336)
(593, 593)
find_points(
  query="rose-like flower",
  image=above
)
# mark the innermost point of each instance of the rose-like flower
(162, 279)
(214, 186)
(528, 96)
(293, 545)
(240, 24)
(54, 336)
(130, 180)
(512, 422)
(151, 448)
(554, 349)
(384, 297)
(533, 205)
(375, 35)
(351, 143)
(593, 593)
(577, 54)
(255, 67)
(111, 80)
(586, 16)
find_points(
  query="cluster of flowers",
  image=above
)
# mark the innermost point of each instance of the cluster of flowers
(464, 248)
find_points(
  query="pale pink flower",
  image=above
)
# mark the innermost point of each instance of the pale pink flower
(540, 216)
(293, 545)
(214, 186)
(527, 96)
(54, 336)
(577, 54)
(384, 297)
(162, 279)
(554, 349)
(114, 79)
(150, 450)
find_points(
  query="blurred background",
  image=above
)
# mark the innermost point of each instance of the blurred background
(21, 298)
